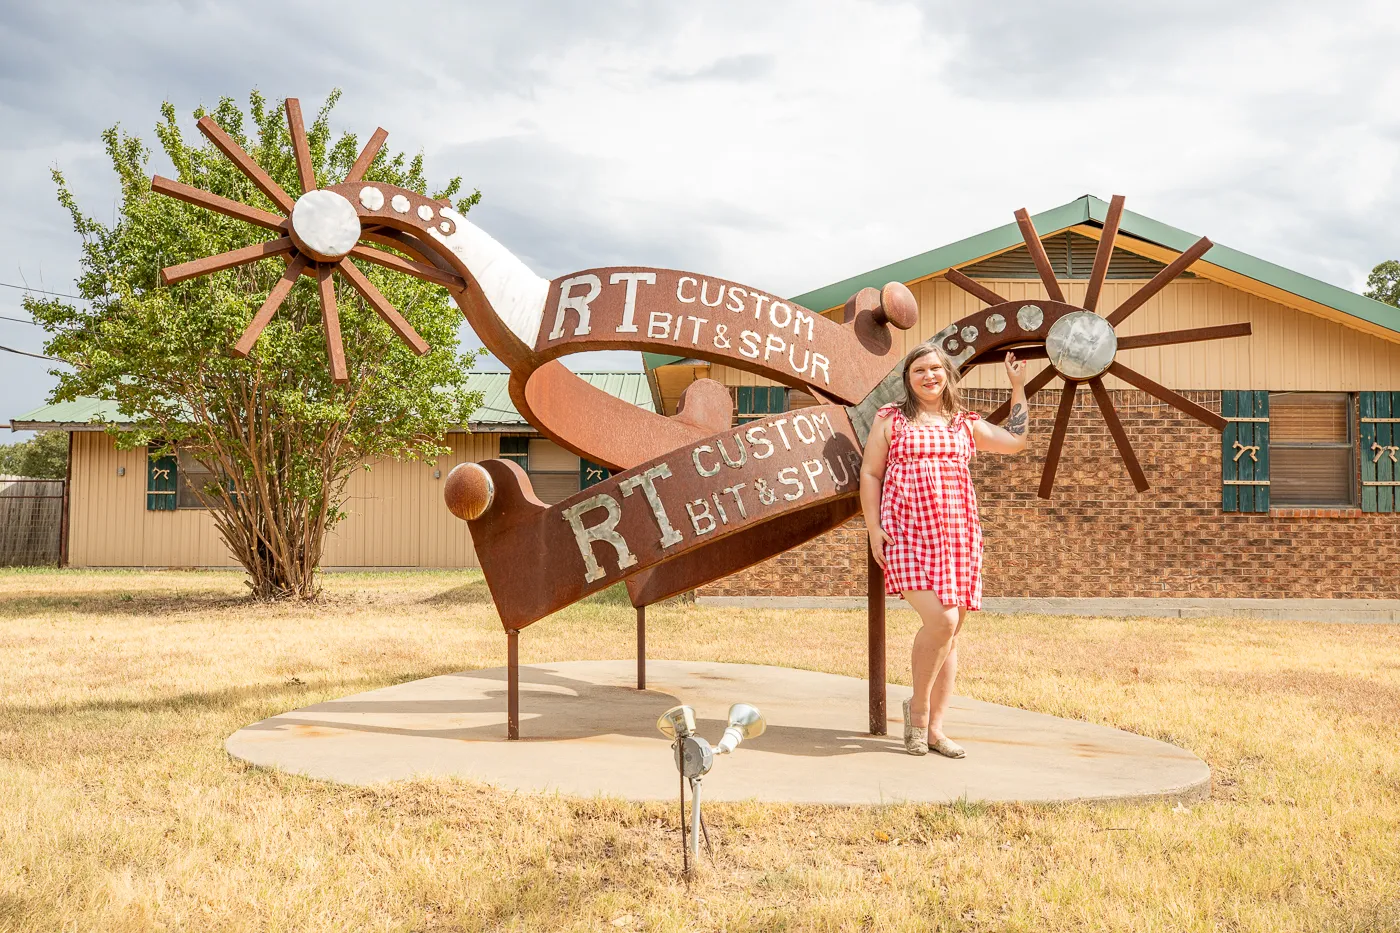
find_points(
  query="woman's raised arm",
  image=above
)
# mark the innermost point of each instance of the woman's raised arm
(1011, 439)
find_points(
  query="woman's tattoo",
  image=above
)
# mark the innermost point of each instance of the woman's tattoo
(1016, 424)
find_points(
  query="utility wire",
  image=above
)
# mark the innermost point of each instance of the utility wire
(42, 291)
(24, 353)
(19, 320)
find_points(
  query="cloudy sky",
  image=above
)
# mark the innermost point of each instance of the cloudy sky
(787, 145)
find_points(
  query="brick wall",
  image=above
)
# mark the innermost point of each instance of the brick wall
(1097, 536)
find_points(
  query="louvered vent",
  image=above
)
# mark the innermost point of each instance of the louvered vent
(1071, 256)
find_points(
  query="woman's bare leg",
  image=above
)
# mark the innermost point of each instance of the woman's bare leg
(943, 684)
(931, 647)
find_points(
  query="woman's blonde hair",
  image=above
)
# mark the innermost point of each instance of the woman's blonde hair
(951, 397)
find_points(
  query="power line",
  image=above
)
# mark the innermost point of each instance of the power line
(24, 353)
(19, 320)
(43, 291)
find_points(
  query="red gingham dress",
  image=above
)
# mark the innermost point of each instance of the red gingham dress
(929, 510)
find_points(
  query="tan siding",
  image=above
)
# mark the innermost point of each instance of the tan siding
(396, 515)
(109, 524)
(737, 377)
(105, 508)
(1289, 349)
(673, 380)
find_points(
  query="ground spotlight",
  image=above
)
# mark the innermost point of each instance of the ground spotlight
(695, 757)
(677, 721)
(745, 722)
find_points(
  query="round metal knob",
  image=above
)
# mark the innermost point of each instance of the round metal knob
(898, 307)
(468, 491)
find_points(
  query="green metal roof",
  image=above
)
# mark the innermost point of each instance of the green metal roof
(954, 254)
(81, 411)
(1090, 208)
(495, 413)
(1261, 270)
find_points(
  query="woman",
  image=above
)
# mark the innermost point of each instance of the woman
(921, 514)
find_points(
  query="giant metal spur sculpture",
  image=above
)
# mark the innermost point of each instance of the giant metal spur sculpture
(692, 498)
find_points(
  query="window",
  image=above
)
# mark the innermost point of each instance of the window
(179, 482)
(517, 450)
(554, 472)
(190, 490)
(1312, 451)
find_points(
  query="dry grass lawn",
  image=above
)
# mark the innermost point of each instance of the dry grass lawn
(120, 811)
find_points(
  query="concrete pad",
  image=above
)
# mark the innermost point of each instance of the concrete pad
(586, 730)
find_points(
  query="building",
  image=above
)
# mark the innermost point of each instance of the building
(1316, 389)
(127, 510)
(1311, 511)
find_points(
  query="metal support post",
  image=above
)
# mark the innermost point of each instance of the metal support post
(513, 684)
(875, 612)
(641, 647)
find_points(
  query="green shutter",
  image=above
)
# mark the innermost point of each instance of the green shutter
(162, 474)
(751, 402)
(1380, 442)
(1247, 461)
(1261, 438)
(1244, 451)
(590, 473)
(1229, 468)
(1366, 410)
(743, 404)
(1385, 438)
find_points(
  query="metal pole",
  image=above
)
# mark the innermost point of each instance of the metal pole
(685, 849)
(512, 683)
(641, 647)
(694, 823)
(875, 612)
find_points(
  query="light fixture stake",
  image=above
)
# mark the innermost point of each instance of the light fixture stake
(694, 758)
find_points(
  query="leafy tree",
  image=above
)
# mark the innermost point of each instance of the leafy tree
(45, 456)
(282, 438)
(1383, 284)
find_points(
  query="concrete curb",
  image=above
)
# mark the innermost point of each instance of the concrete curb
(1348, 611)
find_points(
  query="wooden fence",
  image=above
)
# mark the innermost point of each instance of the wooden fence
(31, 522)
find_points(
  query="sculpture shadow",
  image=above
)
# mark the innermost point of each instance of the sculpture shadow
(562, 708)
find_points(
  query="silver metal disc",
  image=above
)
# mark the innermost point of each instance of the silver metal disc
(372, 198)
(326, 224)
(1081, 345)
(1030, 317)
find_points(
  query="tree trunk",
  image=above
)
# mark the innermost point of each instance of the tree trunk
(277, 535)
(279, 547)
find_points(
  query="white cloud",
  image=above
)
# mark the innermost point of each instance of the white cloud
(788, 145)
